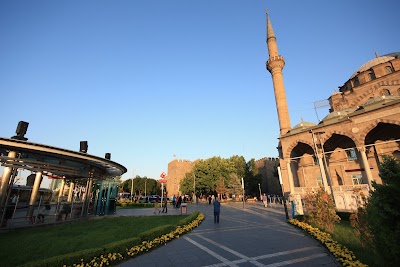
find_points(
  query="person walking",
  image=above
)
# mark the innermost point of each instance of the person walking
(217, 209)
(165, 201)
(156, 210)
(44, 211)
(265, 200)
(178, 202)
(174, 201)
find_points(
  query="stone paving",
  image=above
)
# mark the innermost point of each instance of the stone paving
(246, 236)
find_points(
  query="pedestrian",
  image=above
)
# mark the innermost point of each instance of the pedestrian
(44, 211)
(165, 208)
(156, 210)
(14, 199)
(217, 209)
(178, 202)
(265, 200)
(174, 200)
(209, 199)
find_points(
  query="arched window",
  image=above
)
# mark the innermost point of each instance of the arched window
(356, 82)
(398, 91)
(388, 69)
(371, 75)
(385, 92)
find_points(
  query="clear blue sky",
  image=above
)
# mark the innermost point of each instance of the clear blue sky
(145, 80)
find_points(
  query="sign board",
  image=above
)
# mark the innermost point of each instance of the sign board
(162, 180)
(163, 175)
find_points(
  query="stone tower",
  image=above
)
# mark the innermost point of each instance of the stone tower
(275, 65)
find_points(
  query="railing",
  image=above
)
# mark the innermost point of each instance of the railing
(340, 188)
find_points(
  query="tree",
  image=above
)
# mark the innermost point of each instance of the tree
(235, 186)
(321, 210)
(220, 189)
(140, 184)
(252, 178)
(383, 212)
(207, 173)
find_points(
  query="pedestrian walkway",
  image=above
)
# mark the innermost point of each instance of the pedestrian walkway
(249, 236)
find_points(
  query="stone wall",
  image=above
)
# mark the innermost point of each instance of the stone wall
(270, 180)
(176, 172)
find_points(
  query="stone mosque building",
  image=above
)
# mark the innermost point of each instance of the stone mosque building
(342, 152)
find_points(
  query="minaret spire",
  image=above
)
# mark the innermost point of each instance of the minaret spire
(275, 65)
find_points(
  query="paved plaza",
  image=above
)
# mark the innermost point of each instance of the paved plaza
(249, 236)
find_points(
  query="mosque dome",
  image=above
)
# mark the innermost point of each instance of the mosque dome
(376, 61)
(336, 115)
(304, 124)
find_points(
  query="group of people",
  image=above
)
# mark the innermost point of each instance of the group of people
(177, 201)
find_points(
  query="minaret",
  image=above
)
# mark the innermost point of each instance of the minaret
(275, 65)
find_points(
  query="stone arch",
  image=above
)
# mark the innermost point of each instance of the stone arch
(372, 125)
(294, 144)
(301, 155)
(347, 134)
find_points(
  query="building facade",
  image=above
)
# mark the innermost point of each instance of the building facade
(267, 167)
(176, 172)
(343, 151)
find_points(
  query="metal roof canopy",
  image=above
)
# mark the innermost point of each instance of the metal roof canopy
(57, 162)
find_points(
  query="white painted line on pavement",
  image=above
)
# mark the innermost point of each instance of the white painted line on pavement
(254, 260)
(227, 229)
(212, 253)
(283, 263)
(244, 257)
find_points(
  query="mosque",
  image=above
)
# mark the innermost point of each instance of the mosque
(343, 151)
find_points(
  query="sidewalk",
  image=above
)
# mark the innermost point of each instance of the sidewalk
(253, 236)
(151, 211)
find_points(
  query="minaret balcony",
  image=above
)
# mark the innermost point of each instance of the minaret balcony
(275, 62)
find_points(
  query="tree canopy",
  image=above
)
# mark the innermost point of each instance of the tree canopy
(219, 175)
(140, 184)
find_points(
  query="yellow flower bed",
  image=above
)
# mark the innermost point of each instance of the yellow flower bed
(341, 253)
(110, 258)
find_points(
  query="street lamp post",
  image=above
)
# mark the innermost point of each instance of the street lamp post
(132, 190)
(324, 182)
(243, 191)
(194, 183)
(326, 164)
(145, 191)
(133, 175)
(283, 193)
(259, 188)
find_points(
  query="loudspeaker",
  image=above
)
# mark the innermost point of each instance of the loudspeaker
(83, 147)
(22, 128)
(108, 156)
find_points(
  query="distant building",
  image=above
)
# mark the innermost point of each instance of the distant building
(267, 167)
(178, 168)
(176, 172)
(342, 152)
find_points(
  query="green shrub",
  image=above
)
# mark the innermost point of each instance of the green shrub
(383, 213)
(321, 210)
(189, 218)
(156, 232)
(67, 259)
